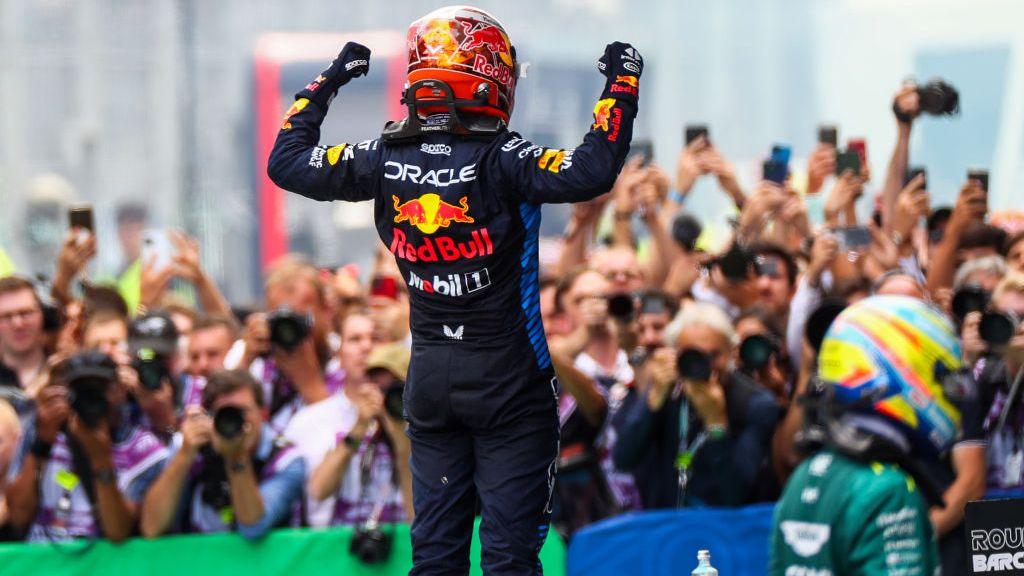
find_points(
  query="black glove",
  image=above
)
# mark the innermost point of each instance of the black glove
(352, 61)
(622, 65)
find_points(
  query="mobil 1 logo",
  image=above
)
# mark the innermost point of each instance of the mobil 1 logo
(452, 284)
(995, 537)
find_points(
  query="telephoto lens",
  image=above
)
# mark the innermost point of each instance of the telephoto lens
(229, 422)
(88, 376)
(288, 329)
(621, 307)
(997, 329)
(969, 298)
(756, 351)
(693, 364)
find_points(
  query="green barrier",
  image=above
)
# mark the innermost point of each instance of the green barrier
(292, 552)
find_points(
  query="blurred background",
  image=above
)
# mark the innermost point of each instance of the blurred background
(163, 107)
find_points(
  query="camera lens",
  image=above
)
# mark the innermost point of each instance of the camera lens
(693, 364)
(88, 399)
(620, 306)
(288, 329)
(228, 422)
(151, 368)
(996, 329)
(756, 351)
(970, 298)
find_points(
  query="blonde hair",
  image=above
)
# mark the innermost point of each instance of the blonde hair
(1012, 282)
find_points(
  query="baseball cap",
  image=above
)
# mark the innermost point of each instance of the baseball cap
(391, 357)
(155, 331)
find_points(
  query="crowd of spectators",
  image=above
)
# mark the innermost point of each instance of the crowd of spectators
(681, 367)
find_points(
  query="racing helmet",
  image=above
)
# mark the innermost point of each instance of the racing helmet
(897, 359)
(467, 49)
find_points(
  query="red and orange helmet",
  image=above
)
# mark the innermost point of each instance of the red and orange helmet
(468, 49)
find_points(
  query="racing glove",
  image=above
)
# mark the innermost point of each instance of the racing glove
(352, 61)
(622, 65)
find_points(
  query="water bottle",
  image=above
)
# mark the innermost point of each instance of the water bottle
(704, 567)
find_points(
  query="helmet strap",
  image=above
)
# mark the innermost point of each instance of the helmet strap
(460, 124)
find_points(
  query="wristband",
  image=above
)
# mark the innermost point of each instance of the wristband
(716, 431)
(41, 448)
(105, 476)
(676, 196)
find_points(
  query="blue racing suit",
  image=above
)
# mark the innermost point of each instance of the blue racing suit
(461, 216)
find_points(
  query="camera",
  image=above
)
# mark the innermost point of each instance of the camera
(621, 307)
(88, 376)
(997, 328)
(969, 298)
(288, 329)
(686, 230)
(938, 98)
(694, 364)
(393, 402)
(370, 544)
(756, 351)
(229, 422)
(151, 367)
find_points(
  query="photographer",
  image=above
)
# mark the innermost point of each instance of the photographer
(731, 282)
(83, 468)
(229, 471)
(999, 370)
(286, 349)
(700, 436)
(309, 429)
(368, 467)
(22, 338)
(208, 345)
(148, 371)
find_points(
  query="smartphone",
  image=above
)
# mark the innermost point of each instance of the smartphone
(384, 286)
(860, 146)
(979, 174)
(642, 148)
(157, 248)
(853, 238)
(80, 216)
(694, 131)
(774, 171)
(847, 160)
(912, 172)
(781, 153)
(828, 134)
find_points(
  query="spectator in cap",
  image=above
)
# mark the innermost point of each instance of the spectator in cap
(366, 440)
(147, 371)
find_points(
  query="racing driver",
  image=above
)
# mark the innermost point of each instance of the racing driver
(457, 201)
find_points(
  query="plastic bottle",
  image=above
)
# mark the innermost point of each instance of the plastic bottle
(704, 567)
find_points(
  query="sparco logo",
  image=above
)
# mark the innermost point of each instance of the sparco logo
(436, 149)
(355, 63)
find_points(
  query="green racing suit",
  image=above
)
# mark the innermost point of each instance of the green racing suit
(841, 517)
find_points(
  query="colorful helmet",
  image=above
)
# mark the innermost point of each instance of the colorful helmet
(894, 357)
(469, 50)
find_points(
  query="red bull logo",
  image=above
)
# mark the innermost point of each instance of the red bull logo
(486, 35)
(630, 80)
(602, 113)
(441, 248)
(429, 212)
(297, 107)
